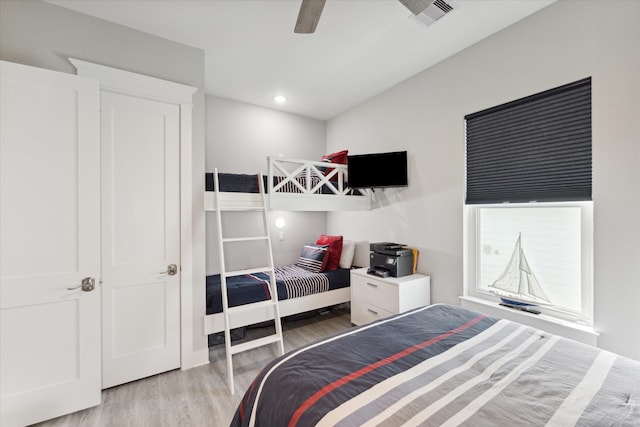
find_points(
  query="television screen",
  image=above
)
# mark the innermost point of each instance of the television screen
(377, 170)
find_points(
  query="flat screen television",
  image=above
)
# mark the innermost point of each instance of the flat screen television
(377, 170)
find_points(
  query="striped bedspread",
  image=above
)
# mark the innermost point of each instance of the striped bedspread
(300, 282)
(444, 366)
(292, 282)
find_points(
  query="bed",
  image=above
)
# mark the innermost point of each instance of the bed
(292, 282)
(291, 184)
(299, 291)
(442, 366)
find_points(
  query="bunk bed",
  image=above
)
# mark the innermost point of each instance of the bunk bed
(251, 288)
(291, 184)
(298, 292)
(444, 365)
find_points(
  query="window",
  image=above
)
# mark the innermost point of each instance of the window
(554, 250)
(529, 226)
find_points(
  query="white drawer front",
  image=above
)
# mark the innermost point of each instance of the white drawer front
(375, 292)
(362, 312)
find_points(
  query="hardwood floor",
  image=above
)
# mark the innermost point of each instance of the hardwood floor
(199, 396)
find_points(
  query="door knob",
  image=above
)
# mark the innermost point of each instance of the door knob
(172, 270)
(87, 285)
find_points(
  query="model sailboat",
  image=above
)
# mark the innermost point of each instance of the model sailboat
(517, 281)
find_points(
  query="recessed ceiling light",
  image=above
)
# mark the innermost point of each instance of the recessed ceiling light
(280, 99)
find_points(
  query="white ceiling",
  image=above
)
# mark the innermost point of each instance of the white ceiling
(360, 47)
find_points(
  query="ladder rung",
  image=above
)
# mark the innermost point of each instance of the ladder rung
(270, 339)
(248, 271)
(241, 208)
(244, 239)
(250, 306)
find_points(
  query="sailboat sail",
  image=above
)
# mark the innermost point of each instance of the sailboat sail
(518, 280)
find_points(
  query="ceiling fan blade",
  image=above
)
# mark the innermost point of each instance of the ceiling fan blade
(416, 6)
(309, 15)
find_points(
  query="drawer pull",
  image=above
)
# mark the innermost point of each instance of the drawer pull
(372, 311)
(372, 284)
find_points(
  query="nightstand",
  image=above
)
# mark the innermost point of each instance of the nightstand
(374, 298)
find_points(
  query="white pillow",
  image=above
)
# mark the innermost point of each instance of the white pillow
(346, 257)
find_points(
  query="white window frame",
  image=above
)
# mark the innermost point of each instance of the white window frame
(471, 259)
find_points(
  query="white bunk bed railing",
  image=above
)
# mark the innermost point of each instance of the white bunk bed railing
(308, 176)
(300, 185)
(312, 185)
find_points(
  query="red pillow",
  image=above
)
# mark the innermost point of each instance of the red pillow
(339, 158)
(335, 250)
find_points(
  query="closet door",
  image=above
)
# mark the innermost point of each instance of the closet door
(50, 227)
(140, 237)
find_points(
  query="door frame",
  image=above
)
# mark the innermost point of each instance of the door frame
(127, 83)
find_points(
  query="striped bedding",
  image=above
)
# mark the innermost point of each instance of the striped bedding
(292, 282)
(300, 282)
(444, 366)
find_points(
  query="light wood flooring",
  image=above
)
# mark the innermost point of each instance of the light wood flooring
(198, 396)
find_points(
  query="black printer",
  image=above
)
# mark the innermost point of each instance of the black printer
(390, 259)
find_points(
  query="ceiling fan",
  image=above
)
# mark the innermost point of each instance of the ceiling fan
(310, 11)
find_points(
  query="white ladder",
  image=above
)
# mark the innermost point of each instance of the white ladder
(224, 274)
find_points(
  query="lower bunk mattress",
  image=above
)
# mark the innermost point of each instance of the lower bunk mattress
(291, 281)
(444, 366)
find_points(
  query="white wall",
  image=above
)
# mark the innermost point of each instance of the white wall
(240, 136)
(562, 43)
(43, 35)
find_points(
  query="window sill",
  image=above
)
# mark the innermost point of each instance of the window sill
(584, 334)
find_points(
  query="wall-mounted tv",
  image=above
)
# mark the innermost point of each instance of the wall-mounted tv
(377, 170)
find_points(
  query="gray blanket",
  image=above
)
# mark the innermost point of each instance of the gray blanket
(444, 366)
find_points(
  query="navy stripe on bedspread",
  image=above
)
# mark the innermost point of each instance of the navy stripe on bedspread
(253, 288)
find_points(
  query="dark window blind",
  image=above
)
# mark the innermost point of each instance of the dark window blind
(536, 148)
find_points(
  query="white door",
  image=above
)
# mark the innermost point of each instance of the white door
(140, 237)
(50, 240)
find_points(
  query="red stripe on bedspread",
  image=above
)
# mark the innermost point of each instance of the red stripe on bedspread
(362, 371)
(245, 399)
(265, 285)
